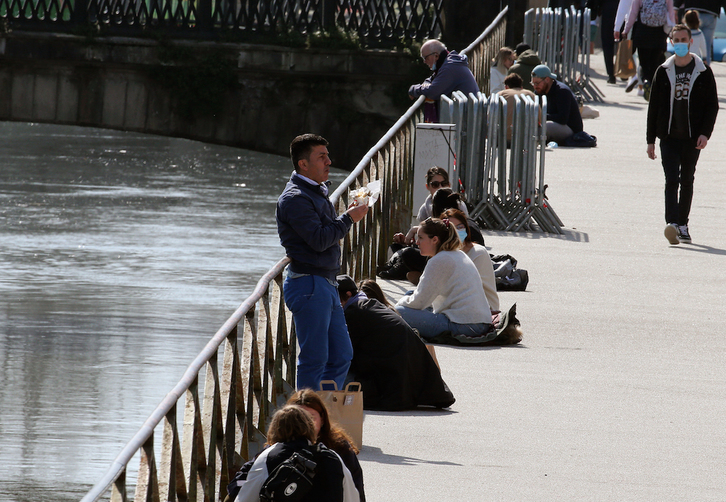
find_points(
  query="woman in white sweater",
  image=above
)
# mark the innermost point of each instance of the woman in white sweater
(450, 285)
(479, 255)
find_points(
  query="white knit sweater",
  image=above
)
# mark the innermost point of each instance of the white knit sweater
(480, 256)
(452, 285)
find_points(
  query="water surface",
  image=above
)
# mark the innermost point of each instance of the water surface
(120, 256)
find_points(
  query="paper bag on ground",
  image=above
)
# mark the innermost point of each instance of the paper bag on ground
(345, 407)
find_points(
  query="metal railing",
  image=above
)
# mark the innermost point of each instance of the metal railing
(247, 377)
(505, 185)
(382, 20)
(561, 37)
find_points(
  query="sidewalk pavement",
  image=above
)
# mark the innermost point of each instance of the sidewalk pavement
(617, 392)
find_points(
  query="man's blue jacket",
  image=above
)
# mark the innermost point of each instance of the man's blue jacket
(309, 228)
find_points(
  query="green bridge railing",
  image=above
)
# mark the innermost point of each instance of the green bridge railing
(214, 419)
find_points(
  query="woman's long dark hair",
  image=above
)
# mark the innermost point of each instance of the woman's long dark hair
(331, 435)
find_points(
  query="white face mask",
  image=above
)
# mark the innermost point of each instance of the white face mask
(433, 67)
(462, 234)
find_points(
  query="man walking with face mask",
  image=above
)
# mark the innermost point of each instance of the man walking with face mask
(681, 113)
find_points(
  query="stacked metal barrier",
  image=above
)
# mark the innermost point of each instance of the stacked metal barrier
(561, 37)
(505, 185)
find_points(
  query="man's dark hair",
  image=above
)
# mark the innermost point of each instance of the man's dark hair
(436, 170)
(513, 81)
(680, 27)
(521, 48)
(302, 145)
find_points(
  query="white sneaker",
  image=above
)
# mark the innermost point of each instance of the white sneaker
(632, 82)
(641, 92)
(671, 233)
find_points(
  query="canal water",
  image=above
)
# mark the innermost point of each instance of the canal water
(120, 255)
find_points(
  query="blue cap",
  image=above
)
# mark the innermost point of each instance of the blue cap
(543, 71)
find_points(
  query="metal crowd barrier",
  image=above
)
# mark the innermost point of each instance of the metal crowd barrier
(561, 37)
(504, 185)
(248, 367)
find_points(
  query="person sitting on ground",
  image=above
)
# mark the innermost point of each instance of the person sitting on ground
(527, 60)
(698, 46)
(331, 434)
(563, 111)
(436, 178)
(411, 257)
(450, 284)
(477, 254)
(372, 290)
(292, 430)
(500, 67)
(392, 364)
(513, 87)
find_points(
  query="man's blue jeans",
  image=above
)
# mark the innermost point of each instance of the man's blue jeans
(325, 348)
(708, 27)
(429, 324)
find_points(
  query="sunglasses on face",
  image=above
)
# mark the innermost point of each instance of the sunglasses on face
(437, 184)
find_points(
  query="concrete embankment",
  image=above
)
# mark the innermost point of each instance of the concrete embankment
(617, 391)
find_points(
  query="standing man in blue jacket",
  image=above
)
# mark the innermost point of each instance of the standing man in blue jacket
(310, 231)
(682, 113)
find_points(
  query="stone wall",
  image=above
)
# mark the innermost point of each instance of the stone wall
(350, 97)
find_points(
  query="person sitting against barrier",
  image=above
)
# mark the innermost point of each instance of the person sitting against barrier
(451, 73)
(436, 178)
(563, 111)
(500, 67)
(527, 60)
(450, 285)
(479, 255)
(292, 430)
(513, 87)
(443, 199)
(331, 434)
(392, 364)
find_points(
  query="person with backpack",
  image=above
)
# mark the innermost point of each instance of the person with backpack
(650, 21)
(331, 434)
(293, 468)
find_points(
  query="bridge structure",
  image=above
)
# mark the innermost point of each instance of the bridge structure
(244, 74)
(216, 416)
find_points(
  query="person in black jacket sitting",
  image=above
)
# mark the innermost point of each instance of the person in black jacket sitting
(563, 111)
(392, 364)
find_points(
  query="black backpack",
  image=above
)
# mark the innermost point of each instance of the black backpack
(293, 478)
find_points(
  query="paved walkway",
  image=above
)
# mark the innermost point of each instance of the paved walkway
(618, 390)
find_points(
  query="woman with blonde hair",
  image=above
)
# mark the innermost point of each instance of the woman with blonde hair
(450, 285)
(330, 434)
(500, 67)
(292, 430)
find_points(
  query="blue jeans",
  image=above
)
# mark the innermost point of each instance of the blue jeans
(429, 324)
(325, 348)
(708, 27)
(679, 157)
